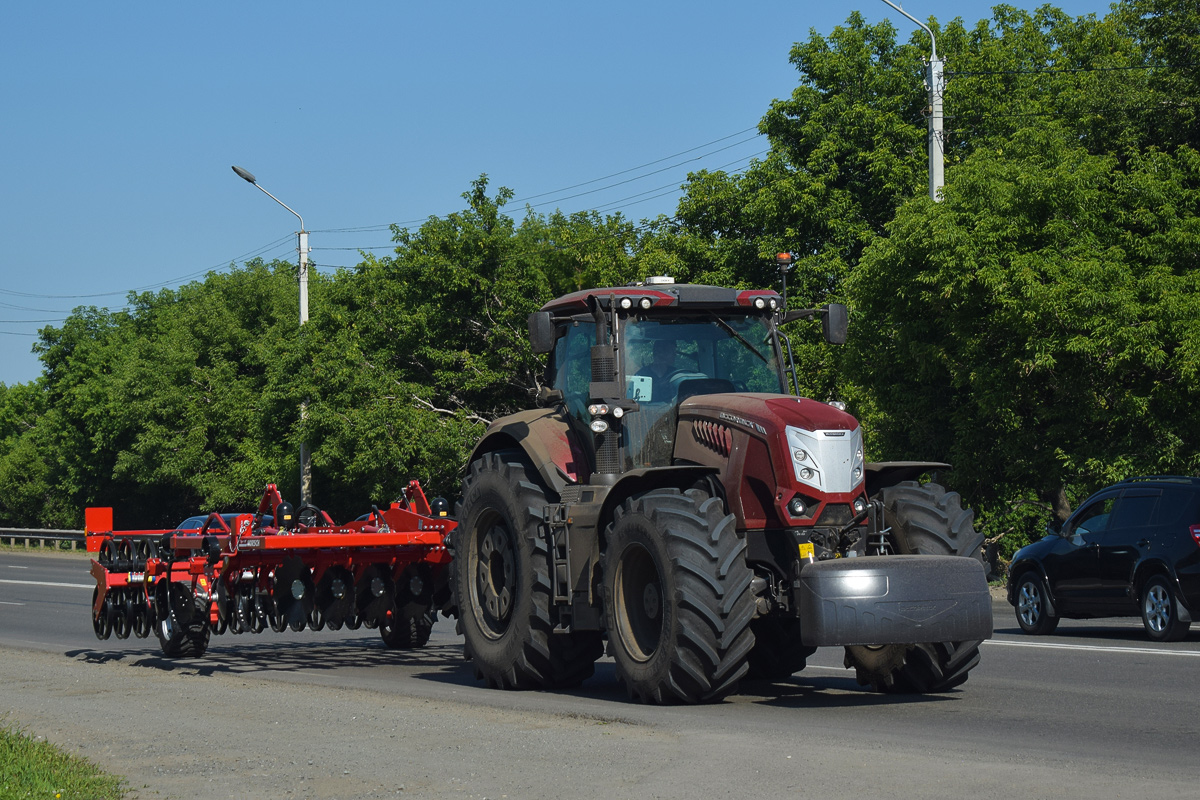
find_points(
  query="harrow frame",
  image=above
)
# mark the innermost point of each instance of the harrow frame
(301, 570)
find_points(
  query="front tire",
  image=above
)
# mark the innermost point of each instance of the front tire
(1160, 611)
(502, 582)
(924, 519)
(677, 597)
(1033, 612)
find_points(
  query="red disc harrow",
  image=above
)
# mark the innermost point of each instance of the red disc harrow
(292, 569)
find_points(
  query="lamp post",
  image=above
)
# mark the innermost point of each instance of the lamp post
(935, 83)
(302, 245)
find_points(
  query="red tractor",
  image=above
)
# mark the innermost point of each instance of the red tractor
(672, 498)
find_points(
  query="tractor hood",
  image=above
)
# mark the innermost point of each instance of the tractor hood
(769, 448)
(769, 413)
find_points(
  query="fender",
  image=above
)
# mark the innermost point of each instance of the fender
(544, 435)
(882, 474)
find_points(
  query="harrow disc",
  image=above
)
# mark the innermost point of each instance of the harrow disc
(125, 554)
(247, 610)
(376, 595)
(335, 597)
(141, 616)
(293, 594)
(100, 621)
(316, 619)
(122, 608)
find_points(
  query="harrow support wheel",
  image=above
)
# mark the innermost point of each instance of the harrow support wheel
(502, 582)
(405, 629)
(182, 621)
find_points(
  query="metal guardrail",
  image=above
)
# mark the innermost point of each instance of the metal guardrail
(11, 536)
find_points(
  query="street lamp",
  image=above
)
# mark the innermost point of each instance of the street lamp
(935, 83)
(305, 461)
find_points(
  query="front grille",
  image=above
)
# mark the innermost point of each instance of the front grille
(836, 514)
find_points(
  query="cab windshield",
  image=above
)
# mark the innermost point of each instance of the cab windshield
(667, 361)
(661, 355)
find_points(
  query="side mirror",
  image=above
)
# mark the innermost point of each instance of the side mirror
(834, 323)
(541, 332)
(1054, 527)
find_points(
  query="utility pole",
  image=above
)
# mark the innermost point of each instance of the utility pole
(935, 85)
(302, 234)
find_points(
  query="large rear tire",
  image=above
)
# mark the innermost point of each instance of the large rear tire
(502, 582)
(677, 597)
(924, 519)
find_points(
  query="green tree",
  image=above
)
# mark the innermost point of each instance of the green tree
(1037, 328)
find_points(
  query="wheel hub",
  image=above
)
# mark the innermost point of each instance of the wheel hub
(1158, 611)
(1029, 605)
(638, 603)
(495, 577)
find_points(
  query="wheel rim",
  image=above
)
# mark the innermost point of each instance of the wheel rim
(639, 603)
(1157, 608)
(495, 577)
(1029, 603)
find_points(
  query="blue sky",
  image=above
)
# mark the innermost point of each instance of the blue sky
(120, 122)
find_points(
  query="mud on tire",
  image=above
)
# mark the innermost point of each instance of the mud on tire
(677, 597)
(502, 582)
(924, 519)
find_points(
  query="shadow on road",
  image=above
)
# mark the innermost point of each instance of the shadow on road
(444, 663)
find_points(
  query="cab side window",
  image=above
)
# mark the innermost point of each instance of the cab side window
(573, 367)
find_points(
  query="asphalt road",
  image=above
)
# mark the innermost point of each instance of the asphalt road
(1093, 711)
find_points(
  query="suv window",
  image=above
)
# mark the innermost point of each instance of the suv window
(1093, 518)
(1178, 505)
(1135, 508)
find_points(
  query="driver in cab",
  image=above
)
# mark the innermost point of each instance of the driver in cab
(659, 370)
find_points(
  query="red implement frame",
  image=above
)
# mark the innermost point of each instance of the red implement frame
(400, 550)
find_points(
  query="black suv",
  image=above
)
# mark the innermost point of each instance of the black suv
(1133, 548)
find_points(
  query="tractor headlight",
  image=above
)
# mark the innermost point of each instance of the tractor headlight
(599, 426)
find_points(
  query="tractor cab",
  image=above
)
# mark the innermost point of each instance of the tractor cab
(624, 359)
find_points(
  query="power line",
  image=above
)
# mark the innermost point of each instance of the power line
(1056, 70)
(373, 228)
(643, 166)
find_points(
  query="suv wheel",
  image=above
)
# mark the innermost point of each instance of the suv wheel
(1033, 613)
(1160, 611)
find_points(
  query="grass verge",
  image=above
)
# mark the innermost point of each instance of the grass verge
(37, 769)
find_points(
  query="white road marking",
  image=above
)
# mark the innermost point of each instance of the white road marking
(6, 603)
(48, 583)
(1096, 648)
(14, 566)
